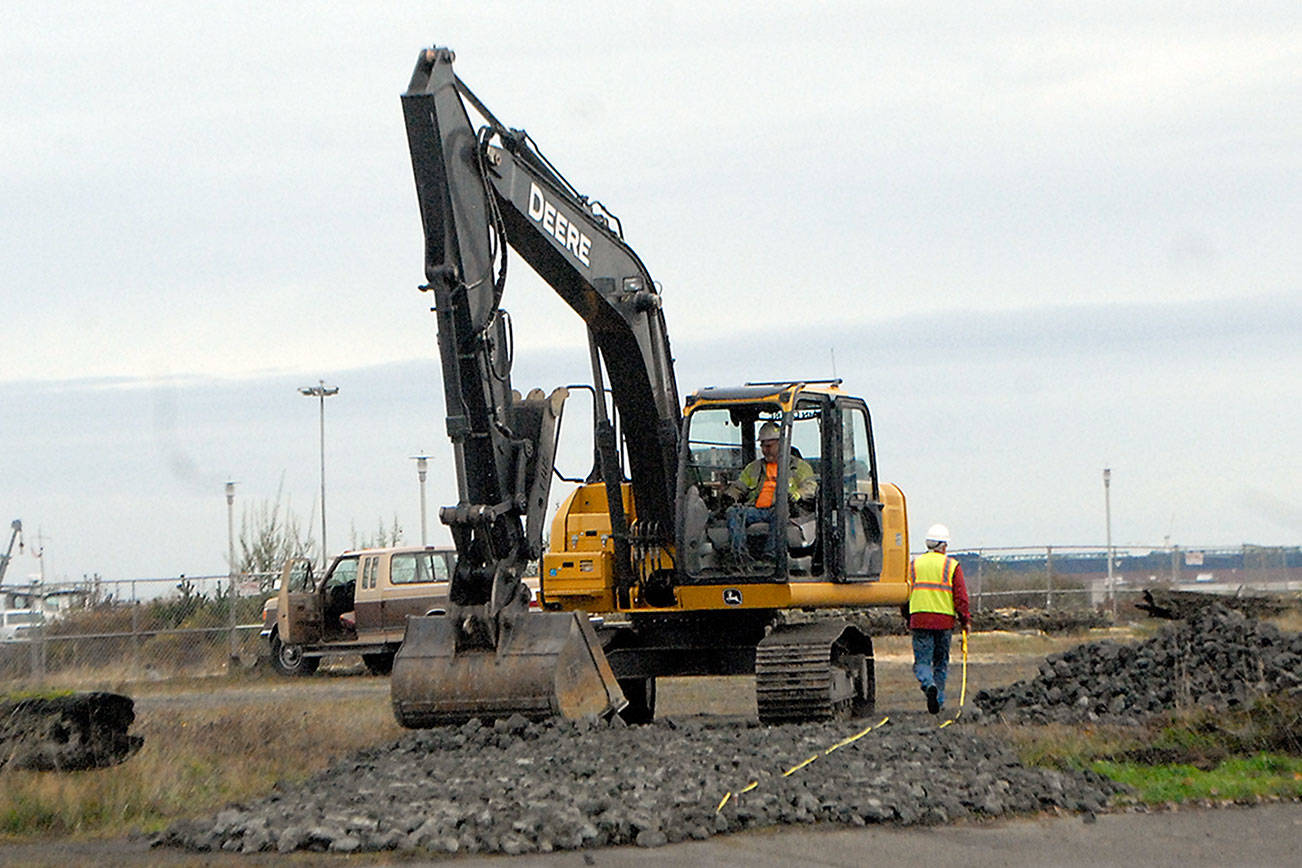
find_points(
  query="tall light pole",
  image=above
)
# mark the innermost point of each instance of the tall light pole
(422, 467)
(320, 391)
(230, 557)
(1107, 506)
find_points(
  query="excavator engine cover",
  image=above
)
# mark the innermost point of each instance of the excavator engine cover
(546, 664)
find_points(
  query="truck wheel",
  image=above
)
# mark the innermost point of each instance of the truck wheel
(290, 659)
(379, 664)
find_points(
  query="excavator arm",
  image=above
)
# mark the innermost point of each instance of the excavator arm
(481, 190)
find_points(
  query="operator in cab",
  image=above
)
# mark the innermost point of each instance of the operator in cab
(755, 491)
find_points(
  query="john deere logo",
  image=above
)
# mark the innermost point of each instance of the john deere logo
(732, 596)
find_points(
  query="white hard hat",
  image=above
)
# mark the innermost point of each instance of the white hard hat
(769, 431)
(938, 533)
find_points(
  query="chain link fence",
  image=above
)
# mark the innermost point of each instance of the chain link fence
(100, 633)
(1078, 577)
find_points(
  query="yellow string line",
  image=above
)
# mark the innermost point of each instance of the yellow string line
(798, 766)
(840, 744)
(962, 696)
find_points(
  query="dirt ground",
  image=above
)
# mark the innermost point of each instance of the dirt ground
(1266, 835)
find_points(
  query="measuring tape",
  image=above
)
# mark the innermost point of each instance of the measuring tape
(800, 765)
(962, 695)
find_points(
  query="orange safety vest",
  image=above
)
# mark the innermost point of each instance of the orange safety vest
(931, 584)
(765, 497)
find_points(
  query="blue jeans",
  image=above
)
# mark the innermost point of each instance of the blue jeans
(931, 659)
(740, 516)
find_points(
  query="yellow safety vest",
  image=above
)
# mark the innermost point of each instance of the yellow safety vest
(931, 582)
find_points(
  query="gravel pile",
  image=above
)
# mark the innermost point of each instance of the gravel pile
(518, 787)
(889, 622)
(1219, 658)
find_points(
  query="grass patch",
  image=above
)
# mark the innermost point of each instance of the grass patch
(1184, 756)
(1240, 779)
(195, 760)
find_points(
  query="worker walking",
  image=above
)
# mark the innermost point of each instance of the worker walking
(937, 599)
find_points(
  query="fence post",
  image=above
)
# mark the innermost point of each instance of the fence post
(234, 650)
(37, 645)
(1048, 578)
(135, 632)
(981, 587)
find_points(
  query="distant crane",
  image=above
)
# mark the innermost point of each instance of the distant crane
(17, 533)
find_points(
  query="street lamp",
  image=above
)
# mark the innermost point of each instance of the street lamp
(320, 391)
(230, 557)
(422, 466)
(1107, 505)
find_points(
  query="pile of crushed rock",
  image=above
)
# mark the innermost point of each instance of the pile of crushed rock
(1219, 658)
(518, 787)
(889, 622)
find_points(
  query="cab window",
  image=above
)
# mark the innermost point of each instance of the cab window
(417, 567)
(344, 573)
(714, 448)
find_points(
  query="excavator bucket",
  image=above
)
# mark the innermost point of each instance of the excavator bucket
(546, 664)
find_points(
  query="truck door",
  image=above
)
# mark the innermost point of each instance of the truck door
(298, 610)
(417, 585)
(367, 602)
(861, 516)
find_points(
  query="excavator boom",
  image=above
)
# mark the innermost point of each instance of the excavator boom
(479, 191)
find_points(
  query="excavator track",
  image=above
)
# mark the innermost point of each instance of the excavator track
(814, 672)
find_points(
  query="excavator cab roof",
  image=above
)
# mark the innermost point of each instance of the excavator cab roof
(782, 392)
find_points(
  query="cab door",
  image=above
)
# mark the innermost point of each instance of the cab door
(367, 599)
(861, 513)
(298, 608)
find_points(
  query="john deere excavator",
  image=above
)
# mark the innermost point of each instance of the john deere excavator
(640, 580)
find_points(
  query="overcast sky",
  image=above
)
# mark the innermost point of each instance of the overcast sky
(1040, 239)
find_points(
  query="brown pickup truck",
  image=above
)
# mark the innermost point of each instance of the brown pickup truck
(359, 607)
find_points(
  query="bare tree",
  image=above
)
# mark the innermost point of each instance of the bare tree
(382, 537)
(270, 534)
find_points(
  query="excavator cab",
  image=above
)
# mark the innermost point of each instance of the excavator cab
(831, 530)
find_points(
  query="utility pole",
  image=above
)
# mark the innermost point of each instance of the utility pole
(230, 560)
(422, 467)
(1107, 505)
(320, 391)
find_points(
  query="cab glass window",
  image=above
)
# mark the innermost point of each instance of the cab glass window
(855, 458)
(344, 572)
(416, 567)
(714, 447)
(807, 435)
(300, 576)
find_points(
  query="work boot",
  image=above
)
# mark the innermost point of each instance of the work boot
(933, 700)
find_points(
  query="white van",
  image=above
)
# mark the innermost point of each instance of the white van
(17, 624)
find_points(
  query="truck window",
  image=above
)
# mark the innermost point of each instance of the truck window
(344, 573)
(416, 567)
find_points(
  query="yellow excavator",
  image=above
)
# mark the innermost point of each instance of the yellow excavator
(652, 570)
